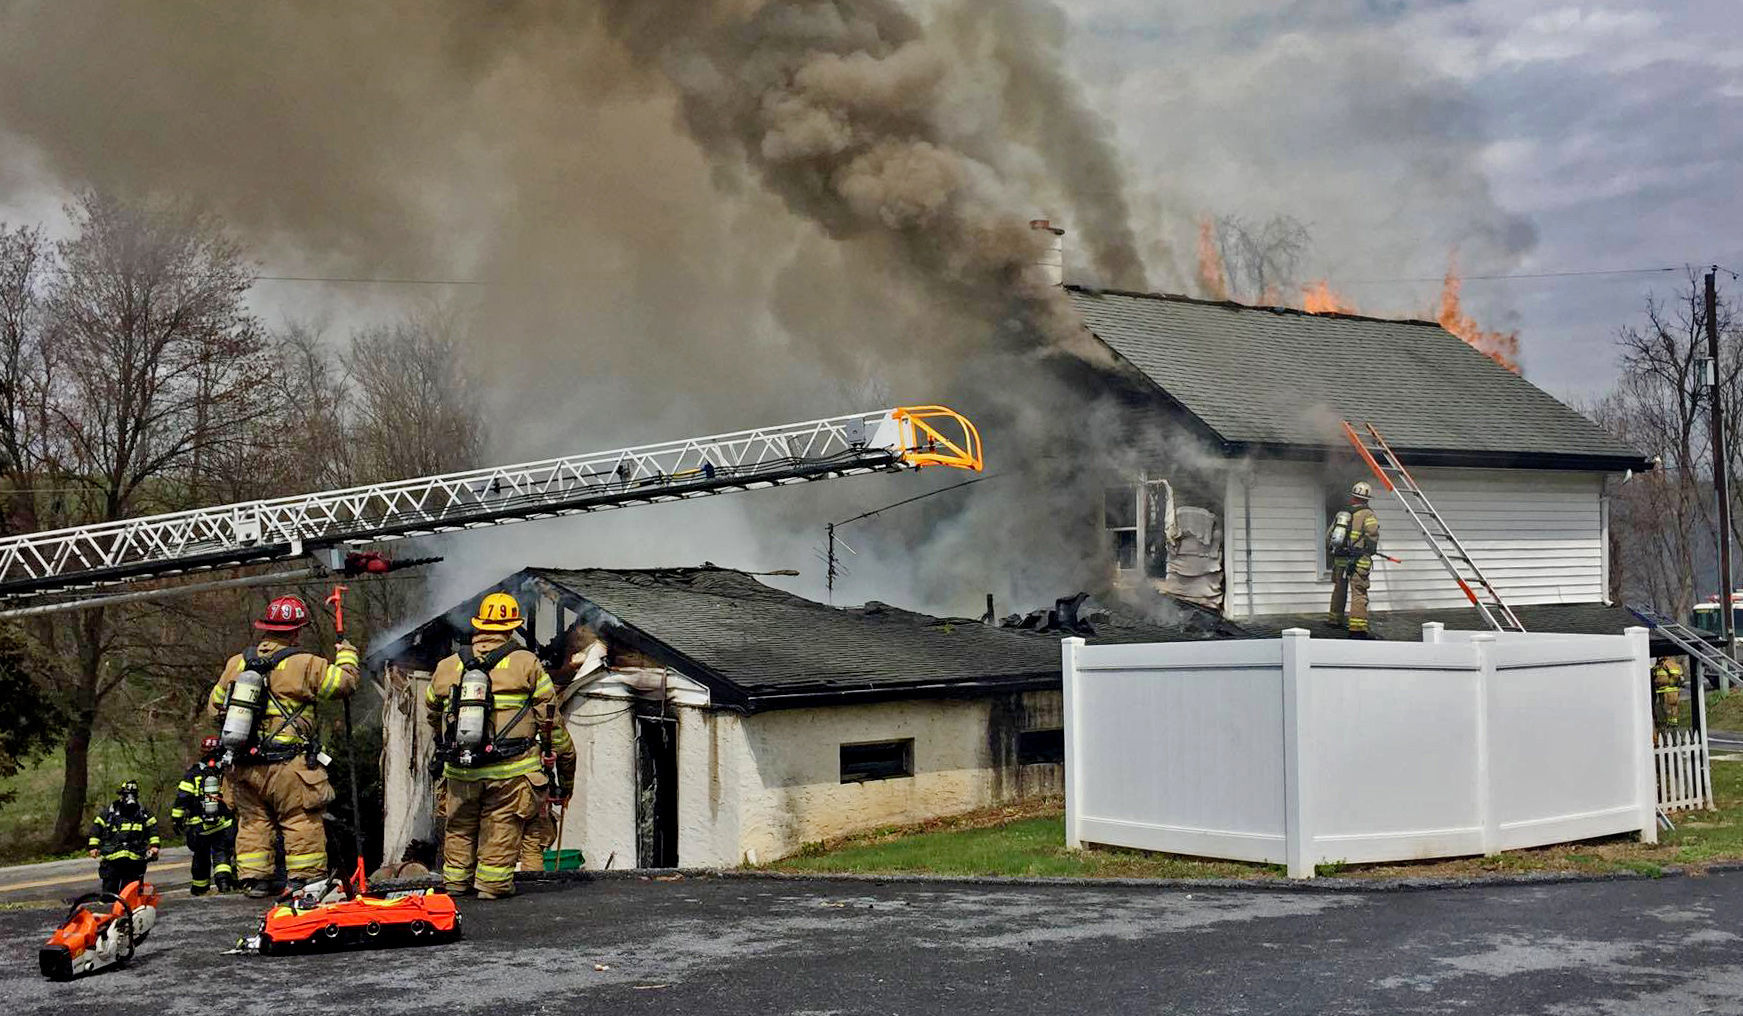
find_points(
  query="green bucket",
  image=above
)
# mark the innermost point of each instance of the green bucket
(563, 860)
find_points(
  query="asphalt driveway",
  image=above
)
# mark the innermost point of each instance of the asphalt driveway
(748, 946)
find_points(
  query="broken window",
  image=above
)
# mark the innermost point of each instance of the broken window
(1120, 518)
(877, 760)
(1041, 747)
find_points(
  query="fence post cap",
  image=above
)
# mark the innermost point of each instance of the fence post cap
(1297, 633)
(1075, 640)
(1483, 636)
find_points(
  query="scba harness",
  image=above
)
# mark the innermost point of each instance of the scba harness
(249, 698)
(472, 737)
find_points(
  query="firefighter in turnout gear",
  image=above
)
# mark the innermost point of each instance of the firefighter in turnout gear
(1666, 692)
(265, 702)
(1353, 539)
(541, 829)
(210, 825)
(124, 837)
(492, 704)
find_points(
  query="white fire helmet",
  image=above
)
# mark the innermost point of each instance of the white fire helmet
(1361, 491)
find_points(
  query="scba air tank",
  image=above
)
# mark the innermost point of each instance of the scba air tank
(245, 698)
(209, 795)
(472, 714)
(1340, 531)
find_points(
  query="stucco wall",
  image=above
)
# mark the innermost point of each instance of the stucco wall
(792, 792)
(601, 816)
(756, 788)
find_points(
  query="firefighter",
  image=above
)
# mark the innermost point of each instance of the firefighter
(124, 838)
(277, 781)
(1666, 692)
(210, 825)
(1353, 543)
(492, 704)
(541, 830)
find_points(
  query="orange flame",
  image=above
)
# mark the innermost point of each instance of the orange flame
(1320, 298)
(1502, 347)
(1213, 278)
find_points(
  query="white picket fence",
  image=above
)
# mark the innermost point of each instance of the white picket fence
(1302, 752)
(1684, 766)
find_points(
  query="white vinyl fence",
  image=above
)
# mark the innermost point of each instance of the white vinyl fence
(1301, 752)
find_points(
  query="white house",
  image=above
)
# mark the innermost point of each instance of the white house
(1242, 458)
(720, 721)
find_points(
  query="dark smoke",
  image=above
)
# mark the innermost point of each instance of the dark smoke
(693, 214)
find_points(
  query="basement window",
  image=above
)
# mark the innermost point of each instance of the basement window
(1041, 747)
(877, 760)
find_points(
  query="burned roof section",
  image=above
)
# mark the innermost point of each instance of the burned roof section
(759, 647)
(1277, 380)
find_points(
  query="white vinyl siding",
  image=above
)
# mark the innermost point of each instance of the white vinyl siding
(1537, 534)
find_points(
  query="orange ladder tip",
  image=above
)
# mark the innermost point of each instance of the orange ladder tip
(937, 436)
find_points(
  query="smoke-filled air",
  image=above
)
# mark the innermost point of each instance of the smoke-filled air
(685, 216)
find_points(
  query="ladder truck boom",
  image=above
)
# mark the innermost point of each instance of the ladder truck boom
(278, 529)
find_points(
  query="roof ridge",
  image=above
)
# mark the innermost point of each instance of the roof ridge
(1235, 305)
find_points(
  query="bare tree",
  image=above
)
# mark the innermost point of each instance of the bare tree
(1261, 259)
(160, 364)
(1665, 520)
(417, 406)
(25, 374)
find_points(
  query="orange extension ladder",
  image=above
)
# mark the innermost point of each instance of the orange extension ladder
(1392, 474)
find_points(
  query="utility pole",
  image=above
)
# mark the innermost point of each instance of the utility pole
(1721, 487)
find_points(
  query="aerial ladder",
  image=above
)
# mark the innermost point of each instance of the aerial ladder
(62, 561)
(1390, 471)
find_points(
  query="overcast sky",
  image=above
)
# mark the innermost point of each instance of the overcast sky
(1527, 137)
(1536, 137)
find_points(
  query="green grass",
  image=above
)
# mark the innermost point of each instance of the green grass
(1724, 712)
(1030, 840)
(26, 822)
(1022, 847)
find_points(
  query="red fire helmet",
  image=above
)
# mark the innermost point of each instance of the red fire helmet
(287, 613)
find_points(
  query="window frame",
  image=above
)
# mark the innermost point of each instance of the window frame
(1136, 491)
(1333, 498)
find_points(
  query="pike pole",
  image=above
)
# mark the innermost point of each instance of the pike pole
(336, 600)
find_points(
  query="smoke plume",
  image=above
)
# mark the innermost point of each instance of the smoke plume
(690, 215)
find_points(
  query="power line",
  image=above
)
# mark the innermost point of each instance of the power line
(1523, 275)
(1489, 277)
(831, 569)
(363, 280)
(918, 497)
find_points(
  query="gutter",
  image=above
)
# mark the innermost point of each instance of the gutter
(824, 695)
(1455, 457)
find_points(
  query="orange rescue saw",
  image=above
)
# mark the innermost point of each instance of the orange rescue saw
(101, 930)
(337, 913)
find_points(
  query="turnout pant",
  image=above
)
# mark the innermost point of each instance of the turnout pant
(1351, 584)
(482, 838)
(280, 799)
(117, 874)
(541, 832)
(213, 859)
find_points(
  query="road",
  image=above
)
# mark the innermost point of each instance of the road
(50, 881)
(751, 946)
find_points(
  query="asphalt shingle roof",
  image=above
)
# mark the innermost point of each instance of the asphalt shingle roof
(1406, 625)
(1270, 377)
(768, 642)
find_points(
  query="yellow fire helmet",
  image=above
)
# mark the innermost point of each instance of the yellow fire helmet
(498, 612)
